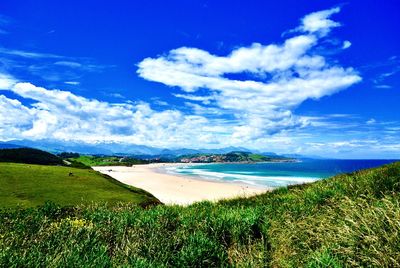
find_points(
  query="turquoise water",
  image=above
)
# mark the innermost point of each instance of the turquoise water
(275, 174)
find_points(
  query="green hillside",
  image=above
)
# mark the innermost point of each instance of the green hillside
(232, 157)
(90, 160)
(30, 185)
(29, 156)
(348, 220)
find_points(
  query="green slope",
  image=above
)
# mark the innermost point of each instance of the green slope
(29, 156)
(350, 220)
(90, 160)
(29, 185)
(230, 157)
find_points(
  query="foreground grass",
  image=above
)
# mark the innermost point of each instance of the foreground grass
(348, 220)
(26, 185)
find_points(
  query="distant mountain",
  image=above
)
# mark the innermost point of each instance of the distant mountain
(58, 147)
(128, 149)
(185, 151)
(225, 150)
(120, 149)
(85, 148)
(54, 146)
(4, 145)
(177, 152)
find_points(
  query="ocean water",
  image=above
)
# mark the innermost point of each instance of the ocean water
(275, 174)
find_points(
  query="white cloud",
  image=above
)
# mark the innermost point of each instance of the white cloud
(28, 54)
(383, 86)
(14, 118)
(62, 115)
(71, 64)
(6, 81)
(115, 95)
(294, 71)
(47, 66)
(319, 22)
(346, 44)
(160, 103)
(202, 110)
(201, 64)
(357, 148)
(257, 111)
(203, 99)
(74, 83)
(57, 114)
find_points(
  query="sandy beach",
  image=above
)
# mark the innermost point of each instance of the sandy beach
(176, 189)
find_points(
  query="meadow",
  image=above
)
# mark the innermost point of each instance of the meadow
(90, 160)
(347, 220)
(28, 185)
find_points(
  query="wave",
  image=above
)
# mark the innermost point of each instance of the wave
(242, 177)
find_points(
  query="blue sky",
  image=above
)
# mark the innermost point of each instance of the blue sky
(309, 77)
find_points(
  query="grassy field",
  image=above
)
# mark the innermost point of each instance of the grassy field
(90, 160)
(27, 185)
(348, 220)
(257, 157)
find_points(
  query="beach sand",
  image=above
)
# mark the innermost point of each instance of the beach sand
(176, 189)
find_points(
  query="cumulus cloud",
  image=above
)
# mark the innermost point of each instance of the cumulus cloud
(319, 22)
(218, 110)
(62, 115)
(6, 81)
(294, 71)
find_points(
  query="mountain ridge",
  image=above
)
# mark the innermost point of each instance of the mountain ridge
(140, 151)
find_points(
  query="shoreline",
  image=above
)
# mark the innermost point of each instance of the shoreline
(165, 170)
(177, 189)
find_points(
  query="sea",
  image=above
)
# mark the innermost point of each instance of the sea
(274, 174)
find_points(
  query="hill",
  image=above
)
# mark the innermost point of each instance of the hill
(29, 156)
(92, 160)
(121, 149)
(10, 146)
(31, 185)
(348, 220)
(229, 157)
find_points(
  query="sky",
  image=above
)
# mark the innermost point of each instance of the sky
(305, 77)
